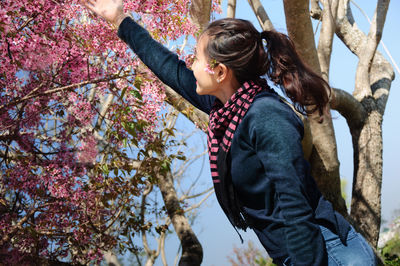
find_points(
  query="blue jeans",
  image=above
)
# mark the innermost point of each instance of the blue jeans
(357, 252)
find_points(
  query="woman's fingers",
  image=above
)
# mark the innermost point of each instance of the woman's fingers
(91, 2)
(88, 4)
(110, 10)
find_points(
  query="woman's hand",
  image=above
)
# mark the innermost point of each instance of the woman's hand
(110, 10)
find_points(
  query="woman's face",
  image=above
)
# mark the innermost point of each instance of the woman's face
(206, 80)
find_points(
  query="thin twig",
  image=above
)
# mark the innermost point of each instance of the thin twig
(383, 44)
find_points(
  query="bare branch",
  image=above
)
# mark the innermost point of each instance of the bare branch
(58, 89)
(199, 118)
(349, 108)
(200, 202)
(161, 243)
(149, 188)
(382, 43)
(326, 36)
(381, 72)
(105, 107)
(184, 197)
(261, 14)
(363, 88)
(315, 11)
(18, 226)
(231, 9)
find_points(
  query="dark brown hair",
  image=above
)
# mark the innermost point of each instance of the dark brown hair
(237, 44)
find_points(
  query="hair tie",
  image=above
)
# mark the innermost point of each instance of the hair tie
(263, 35)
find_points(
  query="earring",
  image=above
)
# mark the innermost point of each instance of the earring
(218, 81)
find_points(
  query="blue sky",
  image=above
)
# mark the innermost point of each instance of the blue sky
(213, 229)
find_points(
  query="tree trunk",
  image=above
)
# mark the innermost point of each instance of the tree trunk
(324, 160)
(192, 252)
(366, 200)
(367, 135)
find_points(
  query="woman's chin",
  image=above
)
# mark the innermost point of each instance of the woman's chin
(199, 91)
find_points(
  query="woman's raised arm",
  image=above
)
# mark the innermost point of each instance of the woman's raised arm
(162, 62)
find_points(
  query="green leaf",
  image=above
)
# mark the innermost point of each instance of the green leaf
(124, 142)
(181, 157)
(123, 92)
(138, 82)
(104, 167)
(136, 94)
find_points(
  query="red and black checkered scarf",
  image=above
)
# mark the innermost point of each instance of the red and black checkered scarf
(224, 119)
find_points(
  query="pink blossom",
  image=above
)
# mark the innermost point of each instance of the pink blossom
(88, 150)
(209, 70)
(53, 167)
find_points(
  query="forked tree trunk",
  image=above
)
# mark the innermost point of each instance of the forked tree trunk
(324, 160)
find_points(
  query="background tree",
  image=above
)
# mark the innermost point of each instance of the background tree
(82, 136)
(389, 241)
(250, 255)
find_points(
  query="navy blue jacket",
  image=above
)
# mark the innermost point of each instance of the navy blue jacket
(268, 168)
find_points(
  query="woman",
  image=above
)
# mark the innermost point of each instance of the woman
(261, 178)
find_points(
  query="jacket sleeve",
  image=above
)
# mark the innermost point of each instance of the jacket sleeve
(277, 139)
(163, 63)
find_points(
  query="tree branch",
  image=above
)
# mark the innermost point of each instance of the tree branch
(18, 226)
(149, 188)
(362, 88)
(199, 118)
(383, 44)
(316, 10)
(58, 89)
(200, 11)
(381, 72)
(326, 36)
(261, 15)
(351, 109)
(324, 160)
(231, 9)
(300, 31)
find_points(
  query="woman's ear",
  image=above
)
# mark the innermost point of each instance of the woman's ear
(221, 72)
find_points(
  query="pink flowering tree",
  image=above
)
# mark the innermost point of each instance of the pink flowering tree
(80, 132)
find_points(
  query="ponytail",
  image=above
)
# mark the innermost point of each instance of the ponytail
(299, 82)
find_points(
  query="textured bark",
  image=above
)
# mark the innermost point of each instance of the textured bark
(367, 138)
(231, 9)
(192, 252)
(362, 88)
(326, 36)
(261, 14)
(300, 30)
(111, 259)
(352, 110)
(316, 10)
(199, 118)
(324, 160)
(366, 196)
(200, 11)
